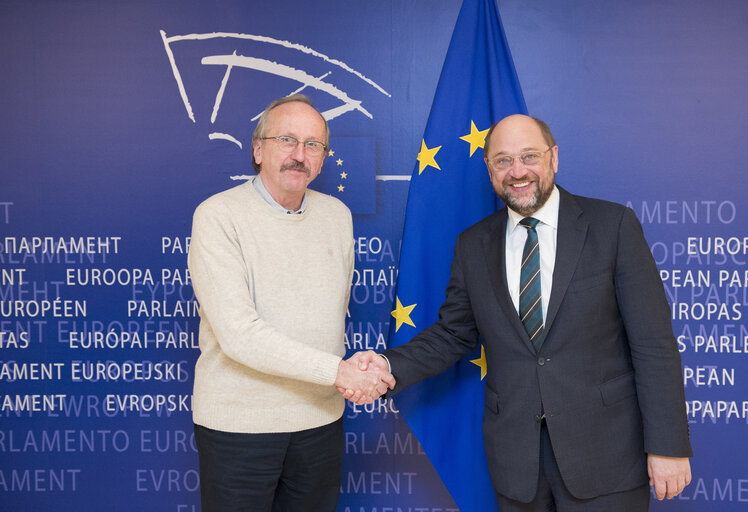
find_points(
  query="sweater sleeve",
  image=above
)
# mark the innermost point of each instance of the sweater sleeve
(220, 280)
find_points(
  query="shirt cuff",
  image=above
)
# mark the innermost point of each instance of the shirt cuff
(389, 366)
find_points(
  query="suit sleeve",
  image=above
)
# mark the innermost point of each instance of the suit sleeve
(442, 344)
(654, 352)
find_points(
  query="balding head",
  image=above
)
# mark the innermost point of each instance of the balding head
(519, 118)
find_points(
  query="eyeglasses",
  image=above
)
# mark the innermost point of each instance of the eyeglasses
(528, 158)
(287, 144)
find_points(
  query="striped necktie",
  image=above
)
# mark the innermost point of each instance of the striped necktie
(530, 304)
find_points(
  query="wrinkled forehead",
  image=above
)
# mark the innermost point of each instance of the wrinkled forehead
(296, 118)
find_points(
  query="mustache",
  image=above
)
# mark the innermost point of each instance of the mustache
(296, 166)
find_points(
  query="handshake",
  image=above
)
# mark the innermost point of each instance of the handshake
(364, 377)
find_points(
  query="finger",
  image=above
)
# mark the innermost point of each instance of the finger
(660, 489)
(368, 358)
(681, 485)
(672, 489)
(380, 362)
(677, 489)
(389, 379)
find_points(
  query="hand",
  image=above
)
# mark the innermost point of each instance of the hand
(364, 359)
(368, 366)
(668, 475)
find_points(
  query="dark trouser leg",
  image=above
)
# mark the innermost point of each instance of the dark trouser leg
(553, 495)
(239, 472)
(311, 473)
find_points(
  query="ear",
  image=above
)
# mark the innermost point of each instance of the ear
(257, 150)
(554, 159)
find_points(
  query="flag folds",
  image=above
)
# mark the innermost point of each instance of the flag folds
(449, 191)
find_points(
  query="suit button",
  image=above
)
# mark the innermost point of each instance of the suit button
(541, 361)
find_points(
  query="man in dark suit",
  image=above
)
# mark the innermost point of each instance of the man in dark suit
(584, 399)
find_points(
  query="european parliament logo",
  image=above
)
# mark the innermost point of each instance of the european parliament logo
(224, 81)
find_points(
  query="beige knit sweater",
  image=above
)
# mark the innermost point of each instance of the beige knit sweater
(273, 290)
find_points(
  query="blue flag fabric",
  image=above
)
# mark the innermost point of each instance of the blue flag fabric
(449, 191)
(349, 174)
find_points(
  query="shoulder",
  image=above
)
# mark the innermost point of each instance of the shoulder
(591, 204)
(328, 204)
(485, 226)
(599, 214)
(593, 208)
(226, 200)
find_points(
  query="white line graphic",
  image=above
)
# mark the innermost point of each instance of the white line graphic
(380, 177)
(393, 177)
(282, 70)
(229, 61)
(297, 91)
(224, 136)
(219, 96)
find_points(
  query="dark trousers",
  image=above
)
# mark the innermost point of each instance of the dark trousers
(285, 472)
(553, 496)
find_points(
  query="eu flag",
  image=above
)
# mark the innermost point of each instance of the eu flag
(449, 191)
(349, 174)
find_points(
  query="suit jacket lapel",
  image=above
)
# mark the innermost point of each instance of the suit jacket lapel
(495, 247)
(572, 232)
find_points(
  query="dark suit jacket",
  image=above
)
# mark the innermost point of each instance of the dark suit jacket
(608, 375)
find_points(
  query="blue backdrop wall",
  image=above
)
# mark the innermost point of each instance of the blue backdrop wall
(118, 118)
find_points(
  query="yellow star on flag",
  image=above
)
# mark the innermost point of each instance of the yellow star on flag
(426, 157)
(330, 153)
(341, 188)
(339, 161)
(343, 175)
(475, 138)
(481, 362)
(402, 314)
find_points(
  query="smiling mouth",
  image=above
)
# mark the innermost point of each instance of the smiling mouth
(522, 184)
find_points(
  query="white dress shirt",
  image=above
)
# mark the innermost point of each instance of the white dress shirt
(516, 235)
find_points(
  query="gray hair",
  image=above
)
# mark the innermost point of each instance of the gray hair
(261, 128)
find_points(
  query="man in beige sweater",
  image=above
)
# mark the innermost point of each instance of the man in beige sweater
(271, 264)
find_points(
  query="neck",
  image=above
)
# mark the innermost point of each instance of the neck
(289, 203)
(288, 200)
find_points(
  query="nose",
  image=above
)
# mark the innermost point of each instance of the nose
(298, 152)
(517, 169)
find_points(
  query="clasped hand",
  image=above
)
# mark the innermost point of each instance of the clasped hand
(364, 377)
